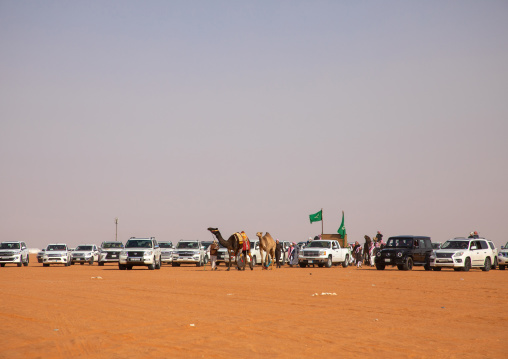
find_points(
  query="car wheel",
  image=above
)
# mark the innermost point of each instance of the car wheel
(100, 264)
(91, 261)
(120, 266)
(400, 266)
(487, 265)
(501, 267)
(303, 265)
(158, 264)
(427, 264)
(25, 263)
(408, 265)
(20, 261)
(495, 265)
(174, 264)
(467, 265)
(437, 269)
(152, 266)
(129, 267)
(82, 263)
(43, 264)
(380, 266)
(254, 260)
(346, 262)
(329, 262)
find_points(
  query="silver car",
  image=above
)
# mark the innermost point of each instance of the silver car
(85, 253)
(166, 252)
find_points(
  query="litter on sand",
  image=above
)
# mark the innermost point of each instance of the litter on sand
(324, 293)
(192, 325)
(96, 278)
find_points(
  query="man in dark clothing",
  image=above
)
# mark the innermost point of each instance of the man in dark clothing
(278, 252)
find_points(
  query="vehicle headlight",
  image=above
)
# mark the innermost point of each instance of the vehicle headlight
(378, 254)
(322, 253)
(148, 253)
(123, 254)
(399, 254)
(458, 254)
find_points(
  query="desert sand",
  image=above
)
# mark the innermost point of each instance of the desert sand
(190, 312)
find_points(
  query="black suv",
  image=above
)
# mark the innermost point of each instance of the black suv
(404, 252)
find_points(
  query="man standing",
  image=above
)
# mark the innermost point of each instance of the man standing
(214, 248)
(278, 252)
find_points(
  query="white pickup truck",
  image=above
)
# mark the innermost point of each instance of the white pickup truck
(324, 253)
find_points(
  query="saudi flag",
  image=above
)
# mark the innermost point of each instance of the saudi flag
(342, 228)
(316, 217)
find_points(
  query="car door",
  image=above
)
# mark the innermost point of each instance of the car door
(337, 253)
(476, 253)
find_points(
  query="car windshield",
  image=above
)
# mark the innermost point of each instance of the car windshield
(436, 245)
(455, 245)
(399, 242)
(56, 247)
(9, 245)
(206, 245)
(112, 245)
(318, 244)
(83, 248)
(165, 244)
(138, 243)
(187, 245)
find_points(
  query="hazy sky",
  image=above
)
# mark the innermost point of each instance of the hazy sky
(179, 115)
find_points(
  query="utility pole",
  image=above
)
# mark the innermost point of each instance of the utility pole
(116, 229)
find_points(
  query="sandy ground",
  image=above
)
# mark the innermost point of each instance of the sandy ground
(190, 312)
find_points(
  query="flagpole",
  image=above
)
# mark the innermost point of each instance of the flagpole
(322, 220)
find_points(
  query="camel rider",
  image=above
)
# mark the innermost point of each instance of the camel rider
(246, 248)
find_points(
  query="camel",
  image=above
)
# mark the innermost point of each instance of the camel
(266, 244)
(233, 245)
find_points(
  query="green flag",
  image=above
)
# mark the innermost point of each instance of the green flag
(342, 228)
(316, 217)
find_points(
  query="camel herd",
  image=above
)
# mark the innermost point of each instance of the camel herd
(266, 246)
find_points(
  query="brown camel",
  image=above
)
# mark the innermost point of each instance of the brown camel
(266, 244)
(233, 246)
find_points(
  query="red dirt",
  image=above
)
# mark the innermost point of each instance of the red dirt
(62, 312)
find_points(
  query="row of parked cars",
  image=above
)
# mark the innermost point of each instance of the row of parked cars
(401, 251)
(459, 253)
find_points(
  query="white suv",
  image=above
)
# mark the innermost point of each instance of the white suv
(190, 252)
(14, 252)
(503, 257)
(57, 253)
(463, 254)
(85, 253)
(140, 252)
(166, 252)
(110, 252)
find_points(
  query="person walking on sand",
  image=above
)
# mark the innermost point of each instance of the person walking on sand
(214, 248)
(357, 250)
(246, 249)
(278, 252)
